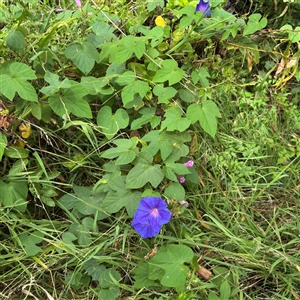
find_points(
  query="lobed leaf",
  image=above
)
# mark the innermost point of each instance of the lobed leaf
(206, 115)
(172, 258)
(169, 72)
(111, 123)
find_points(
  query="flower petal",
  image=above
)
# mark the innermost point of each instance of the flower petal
(203, 7)
(147, 223)
(189, 163)
(146, 230)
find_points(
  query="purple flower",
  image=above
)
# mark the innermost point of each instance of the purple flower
(189, 164)
(78, 3)
(203, 7)
(150, 215)
(181, 179)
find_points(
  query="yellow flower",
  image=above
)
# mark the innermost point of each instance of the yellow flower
(25, 129)
(159, 21)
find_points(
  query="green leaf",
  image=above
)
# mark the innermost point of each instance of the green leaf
(29, 241)
(172, 169)
(172, 258)
(136, 87)
(158, 142)
(207, 116)
(82, 231)
(152, 4)
(55, 84)
(104, 32)
(144, 172)
(77, 280)
(126, 78)
(97, 85)
(94, 268)
(83, 56)
(141, 276)
(255, 23)
(225, 290)
(126, 151)
(129, 45)
(201, 75)
(139, 47)
(109, 290)
(224, 16)
(68, 237)
(174, 120)
(186, 95)
(156, 35)
(114, 201)
(17, 168)
(213, 296)
(71, 101)
(188, 10)
(109, 50)
(167, 142)
(164, 93)
(13, 79)
(294, 36)
(15, 40)
(124, 50)
(169, 72)
(175, 191)
(84, 201)
(132, 202)
(3, 144)
(110, 124)
(16, 152)
(14, 195)
(148, 116)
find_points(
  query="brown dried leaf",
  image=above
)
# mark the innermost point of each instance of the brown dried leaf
(204, 273)
(280, 67)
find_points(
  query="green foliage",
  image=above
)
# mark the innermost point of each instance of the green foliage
(255, 23)
(14, 194)
(116, 103)
(108, 289)
(15, 40)
(144, 171)
(169, 72)
(14, 78)
(111, 123)
(29, 242)
(83, 56)
(167, 266)
(206, 115)
(3, 144)
(66, 97)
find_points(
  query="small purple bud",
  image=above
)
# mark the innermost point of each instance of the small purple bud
(189, 164)
(181, 179)
(78, 3)
(184, 203)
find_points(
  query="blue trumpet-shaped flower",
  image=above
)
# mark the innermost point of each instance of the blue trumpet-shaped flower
(203, 7)
(150, 215)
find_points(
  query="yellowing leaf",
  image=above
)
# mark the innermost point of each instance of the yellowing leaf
(159, 21)
(194, 144)
(20, 143)
(25, 129)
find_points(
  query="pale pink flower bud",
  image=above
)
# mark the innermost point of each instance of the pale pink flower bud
(78, 3)
(189, 164)
(184, 203)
